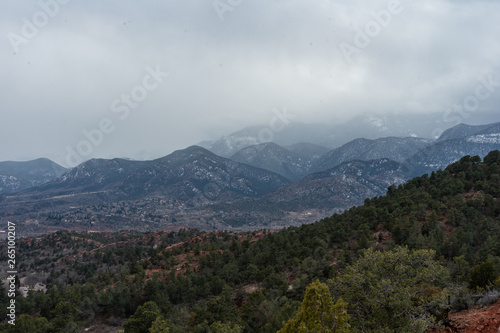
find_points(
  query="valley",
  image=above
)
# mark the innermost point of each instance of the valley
(261, 186)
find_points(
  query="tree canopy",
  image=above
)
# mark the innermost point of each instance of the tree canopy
(318, 313)
(401, 290)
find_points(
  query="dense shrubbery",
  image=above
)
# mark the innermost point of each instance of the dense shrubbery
(399, 262)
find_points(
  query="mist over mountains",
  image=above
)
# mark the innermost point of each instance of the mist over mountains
(330, 136)
(367, 126)
(267, 182)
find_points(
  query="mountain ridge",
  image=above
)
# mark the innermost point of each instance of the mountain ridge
(394, 148)
(273, 157)
(183, 174)
(17, 176)
(328, 135)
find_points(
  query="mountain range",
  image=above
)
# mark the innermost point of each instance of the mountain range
(182, 174)
(329, 136)
(392, 148)
(265, 178)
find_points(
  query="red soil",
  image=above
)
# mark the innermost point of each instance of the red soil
(476, 320)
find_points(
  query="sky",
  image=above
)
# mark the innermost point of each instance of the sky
(108, 78)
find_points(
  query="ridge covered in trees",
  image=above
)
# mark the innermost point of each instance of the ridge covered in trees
(399, 263)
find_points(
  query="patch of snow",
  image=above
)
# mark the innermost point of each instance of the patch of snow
(485, 138)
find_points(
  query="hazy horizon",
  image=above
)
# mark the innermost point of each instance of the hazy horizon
(150, 156)
(142, 80)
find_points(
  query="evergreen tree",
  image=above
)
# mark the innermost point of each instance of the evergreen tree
(482, 275)
(28, 324)
(219, 327)
(318, 314)
(398, 290)
(160, 325)
(143, 318)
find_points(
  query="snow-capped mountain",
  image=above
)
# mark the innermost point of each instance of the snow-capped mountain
(18, 176)
(367, 126)
(392, 148)
(462, 131)
(275, 158)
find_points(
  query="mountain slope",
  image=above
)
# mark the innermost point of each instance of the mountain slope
(343, 186)
(392, 148)
(182, 175)
(334, 190)
(307, 150)
(462, 140)
(18, 176)
(462, 131)
(196, 171)
(440, 154)
(389, 172)
(92, 175)
(272, 157)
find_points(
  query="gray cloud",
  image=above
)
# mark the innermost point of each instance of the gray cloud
(226, 74)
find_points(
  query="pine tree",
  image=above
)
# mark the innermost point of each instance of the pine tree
(318, 314)
(160, 325)
(143, 318)
(219, 327)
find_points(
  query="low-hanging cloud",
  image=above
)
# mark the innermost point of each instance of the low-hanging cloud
(228, 73)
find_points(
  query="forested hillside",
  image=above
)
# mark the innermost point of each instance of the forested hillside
(400, 263)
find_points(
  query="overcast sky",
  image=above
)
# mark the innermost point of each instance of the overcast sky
(70, 66)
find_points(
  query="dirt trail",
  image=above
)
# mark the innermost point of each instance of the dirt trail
(476, 320)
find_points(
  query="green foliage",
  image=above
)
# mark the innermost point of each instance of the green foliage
(25, 324)
(318, 313)
(400, 290)
(492, 158)
(160, 325)
(143, 318)
(261, 314)
(482, 275)
(64, 317)
(459, 270)
(217, 309)
(219, 327)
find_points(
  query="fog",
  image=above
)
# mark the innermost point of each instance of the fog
(141, 79)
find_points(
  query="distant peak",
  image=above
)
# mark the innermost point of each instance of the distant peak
(188, 152)
(195, 149)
